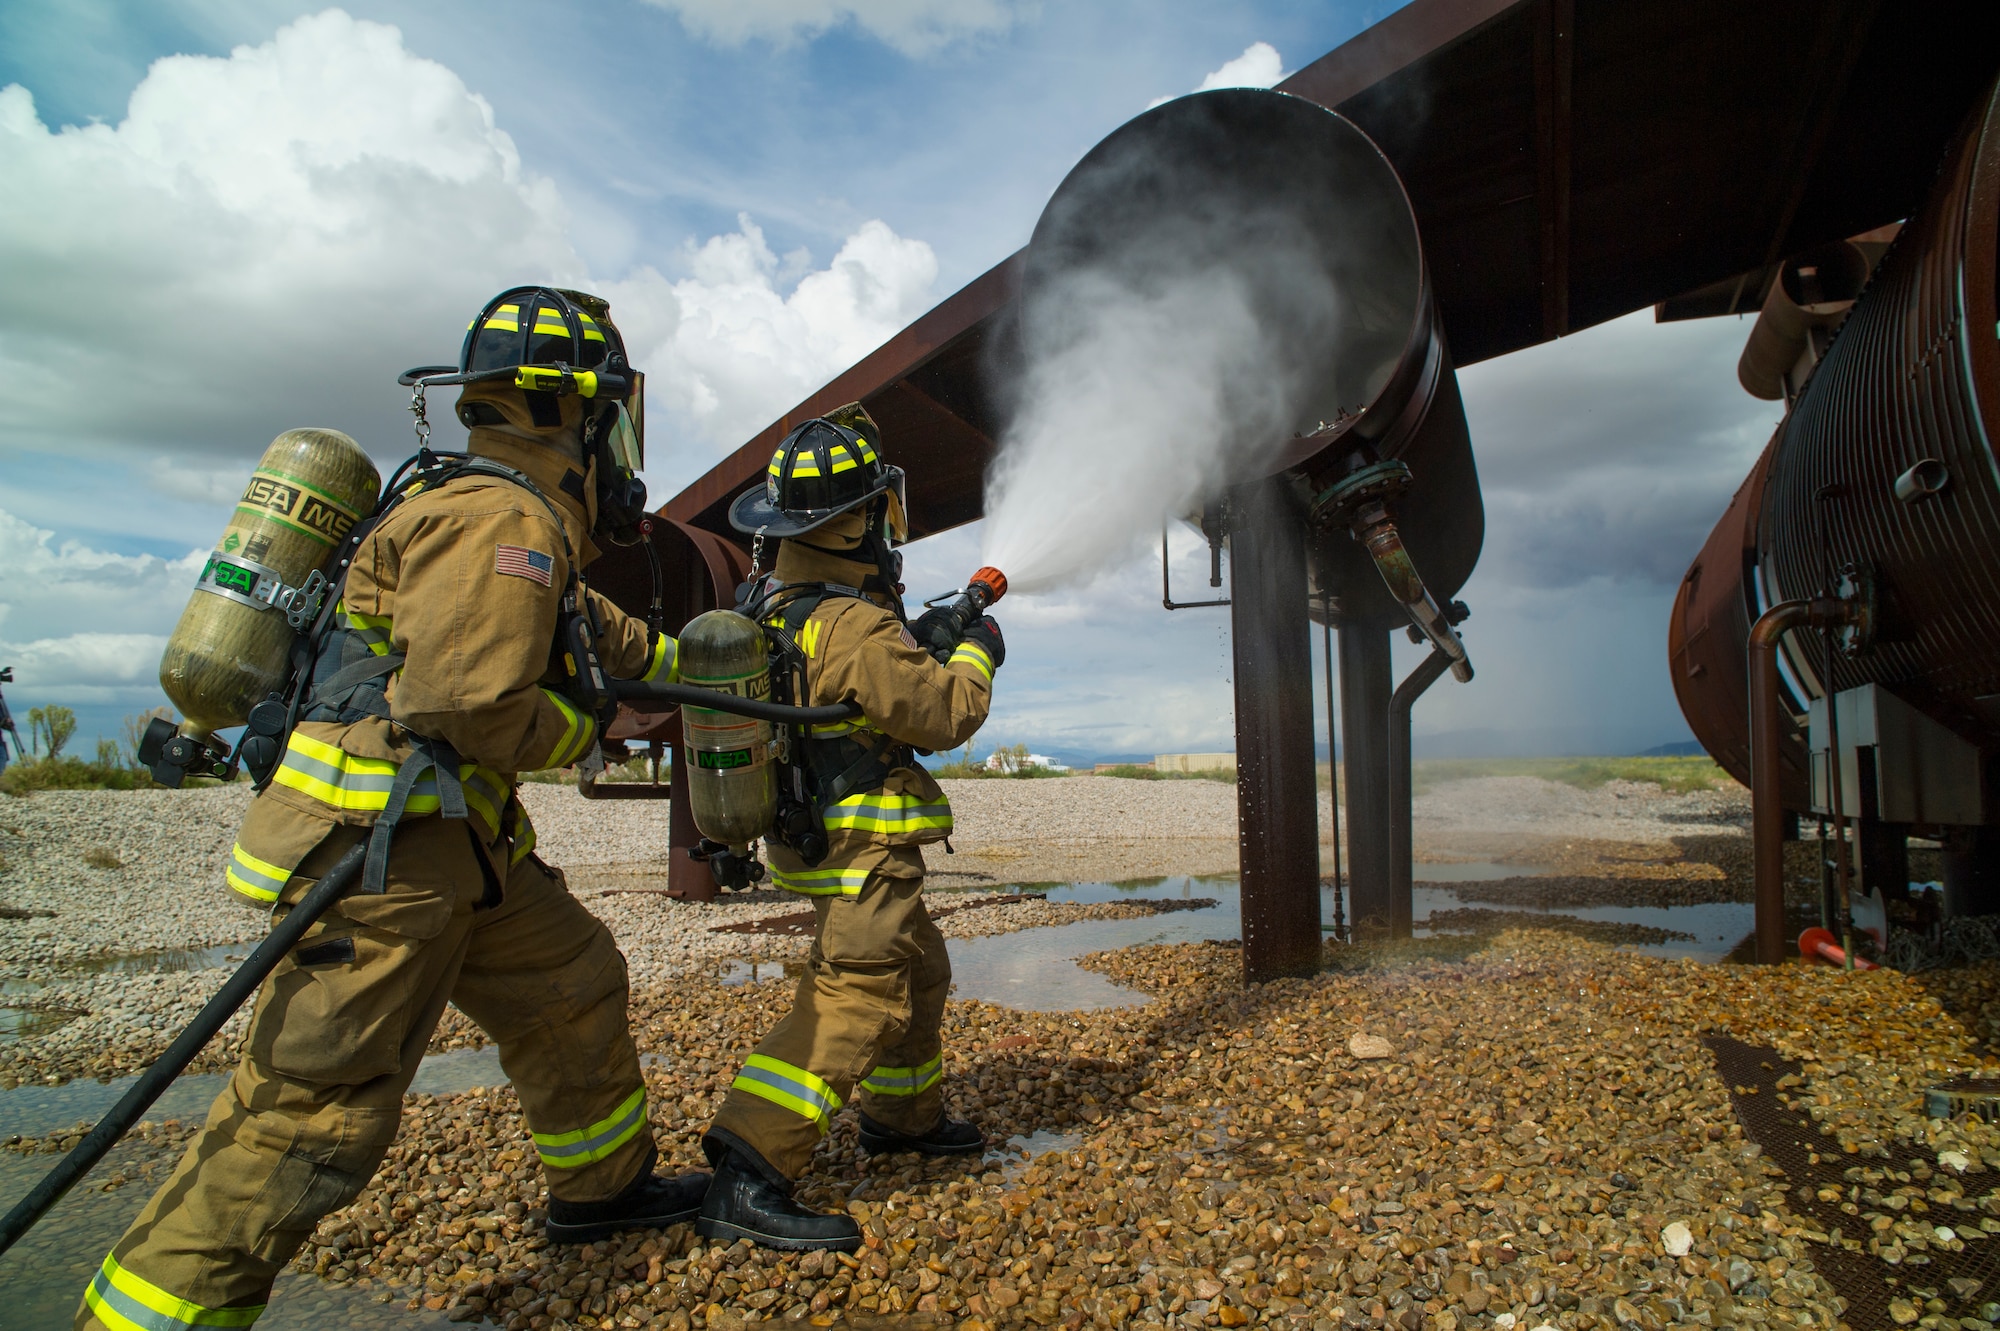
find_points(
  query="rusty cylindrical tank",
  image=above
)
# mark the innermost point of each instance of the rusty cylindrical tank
(1886, 463)
(1912, 380)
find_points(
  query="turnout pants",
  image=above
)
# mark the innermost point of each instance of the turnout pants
(333, 1042)
(867, 1013)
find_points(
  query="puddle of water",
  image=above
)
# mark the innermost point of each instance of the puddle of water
(1020, 1152)
(759, 972)
(1035, 970)
(25, 1023)
(163, 960)
(45, 1274)
(1716, 926)
(1477, 871)
(32, 1111)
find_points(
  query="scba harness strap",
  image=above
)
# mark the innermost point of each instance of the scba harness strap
(342, 669)
(817, 770)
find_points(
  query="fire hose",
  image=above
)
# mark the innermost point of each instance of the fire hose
(336, 883)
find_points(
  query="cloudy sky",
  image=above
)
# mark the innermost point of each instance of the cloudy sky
(227, 217)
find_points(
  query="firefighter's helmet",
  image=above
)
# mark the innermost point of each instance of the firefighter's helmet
(830, 465)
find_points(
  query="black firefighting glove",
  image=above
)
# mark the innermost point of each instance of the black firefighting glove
(936, 632)
(987, 634)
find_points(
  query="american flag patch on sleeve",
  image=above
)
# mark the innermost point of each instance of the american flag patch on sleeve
(520, 562)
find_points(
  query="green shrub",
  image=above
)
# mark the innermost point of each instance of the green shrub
(1135, 772)
(49, 728)
(1678, 776)
(32, 774)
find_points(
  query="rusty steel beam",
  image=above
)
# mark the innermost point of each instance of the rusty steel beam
(1277, 803)
(1364, 723)
(1555, 63)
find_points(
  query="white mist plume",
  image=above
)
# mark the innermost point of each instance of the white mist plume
(1130, 424)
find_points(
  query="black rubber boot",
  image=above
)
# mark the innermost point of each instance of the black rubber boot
(750, 1200)
(948, 1136)
(650, 1201)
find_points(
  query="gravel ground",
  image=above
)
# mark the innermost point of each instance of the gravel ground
(1546, 1125)
(1546, 1144)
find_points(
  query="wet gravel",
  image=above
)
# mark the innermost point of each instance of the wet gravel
(1474, 920)
(1545, 1128)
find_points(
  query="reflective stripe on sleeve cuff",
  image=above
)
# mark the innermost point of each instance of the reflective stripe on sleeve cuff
(972, 654)
(260, 880)
(821, 882)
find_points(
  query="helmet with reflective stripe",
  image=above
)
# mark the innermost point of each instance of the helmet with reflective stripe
(823, 468)
(554, 344)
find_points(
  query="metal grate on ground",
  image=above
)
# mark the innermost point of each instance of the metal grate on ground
(1789, 1141)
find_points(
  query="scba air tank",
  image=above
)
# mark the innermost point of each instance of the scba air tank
(232, 647)
(731, 781)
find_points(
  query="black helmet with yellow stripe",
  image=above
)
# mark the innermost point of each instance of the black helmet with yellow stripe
(823, 468)
(559, 348)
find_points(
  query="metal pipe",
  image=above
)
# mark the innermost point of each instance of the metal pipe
(1166, 579)
(1767, 808)
(1378, 535)
(1340, 930)
(1365, 689)
(1277, 799)
(1402, 870)
(236, 990)
(632, 690)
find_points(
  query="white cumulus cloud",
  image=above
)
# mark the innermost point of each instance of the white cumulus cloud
(83, 625)
(914, 27)
(267, 238)
(1260, 66)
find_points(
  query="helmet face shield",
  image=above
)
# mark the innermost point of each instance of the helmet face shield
(623, 443)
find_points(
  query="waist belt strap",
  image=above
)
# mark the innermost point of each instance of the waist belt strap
(374, 667)
(429, 756)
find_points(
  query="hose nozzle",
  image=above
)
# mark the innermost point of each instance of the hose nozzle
(988, 584)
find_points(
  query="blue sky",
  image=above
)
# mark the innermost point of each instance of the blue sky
(765, 189)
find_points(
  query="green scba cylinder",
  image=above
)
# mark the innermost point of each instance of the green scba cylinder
(731, 781)
(232, 647)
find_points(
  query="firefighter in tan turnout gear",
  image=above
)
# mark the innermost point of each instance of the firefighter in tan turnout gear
(868, 1008)
(433, 693)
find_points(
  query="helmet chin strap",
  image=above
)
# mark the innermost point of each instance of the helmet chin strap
(876, 547)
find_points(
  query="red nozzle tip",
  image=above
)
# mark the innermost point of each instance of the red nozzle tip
(993, 580)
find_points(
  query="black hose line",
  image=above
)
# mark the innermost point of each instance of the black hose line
(637, 691)
(336, 883)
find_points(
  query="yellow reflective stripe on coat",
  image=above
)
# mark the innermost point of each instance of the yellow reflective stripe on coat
(663, 666)
(879, 811)
(972, 654)
(260, 880)
(361, 785)
(586, 1146)
(375, 630)
(126, 1302)
(793, 1087)
(579, 731)
(821, 882)
(905, 1081)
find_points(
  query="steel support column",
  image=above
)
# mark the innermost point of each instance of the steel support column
(1364, 722)
(1277, 804)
